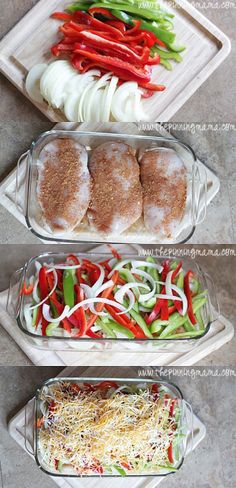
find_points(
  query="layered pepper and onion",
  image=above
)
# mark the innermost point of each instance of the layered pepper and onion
(108, 428)
(114, 299)
(113, 47)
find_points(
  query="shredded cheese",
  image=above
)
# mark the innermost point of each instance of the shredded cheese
(85, 430)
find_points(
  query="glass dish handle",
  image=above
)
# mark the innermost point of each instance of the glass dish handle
(29, 429)
(190, 430)
(23, 156)
(200, 196)
(13, 297)
(215, 307)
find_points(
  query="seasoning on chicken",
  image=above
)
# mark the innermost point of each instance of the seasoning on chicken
(116, 196)
(63, 184)
(164, 182)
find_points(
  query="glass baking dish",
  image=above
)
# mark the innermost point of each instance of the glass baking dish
(195, 208)
(16, 302)
(33, 415)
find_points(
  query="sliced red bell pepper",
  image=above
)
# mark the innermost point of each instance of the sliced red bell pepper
(89, 20)
(43, 288)
(188, 294)
(73, 258)
(170, 453)
(101, 11)
(93, 335)
(114, 48)
(104, 385)
(118, 24)
(122, 320)
(136, 27)
(80, 313)
(62, 16)
(152, 86)
(115, 253)
(26, 290)
(50, 281)
(124, 69)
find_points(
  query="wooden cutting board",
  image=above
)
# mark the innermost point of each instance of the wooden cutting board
(28, 43)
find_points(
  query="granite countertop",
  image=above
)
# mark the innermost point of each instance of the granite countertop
(211, 465)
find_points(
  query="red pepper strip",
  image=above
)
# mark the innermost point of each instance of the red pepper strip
(177, 303)
(137, 24)
(80, 313)
(56, 462)
(60, 307)
(101, 11)
(79, 277)
(73, 258)
(152, 86)
(88, 386)
(172, 407)
(75, 387)
(39, 316)
(137, 331)
(164, 308)
(118, 66)
(97, 24)
(62, 16)
(126, 465)
(26, 290)
(100, 306)
(43, 287)
(50, 280)
(93, 335)
(153, 61)
(114, 48)
(170, 453)
(104, 385)
(88, 264)
(61, 48)
(114, 252)
(118, 24)
(188, 294)
(93, 275)
(147, 94)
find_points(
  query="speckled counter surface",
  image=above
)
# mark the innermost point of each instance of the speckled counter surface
(212, 465)
(222, 270)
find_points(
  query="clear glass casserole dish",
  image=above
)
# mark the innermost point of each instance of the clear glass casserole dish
(39, 418)
(195, 205)
(17, 302)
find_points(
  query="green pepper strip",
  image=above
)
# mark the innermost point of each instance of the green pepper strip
(185, 335)
(154, 273)
(177, 320)
(157, 325)
(140, 321)
(122, 330)
(68, 288)
(153, 14)
(105, 326)
(165, 36)
(167, 55)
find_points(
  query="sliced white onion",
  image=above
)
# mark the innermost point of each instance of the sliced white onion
(35, 292)
(119, 296)
(107, 99)
(182, 297)
(101, 83)
(148, 277)
(28, 318)
(112, 262)
(50, 293)
(138, 264)
(32, 83)
(168, 282)
(131, 298)
(64, 266)
(118, 266)
(100, 280)
(168, 297)
(96, 300)
(106, 285)
(38, 266)
(49, 318)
